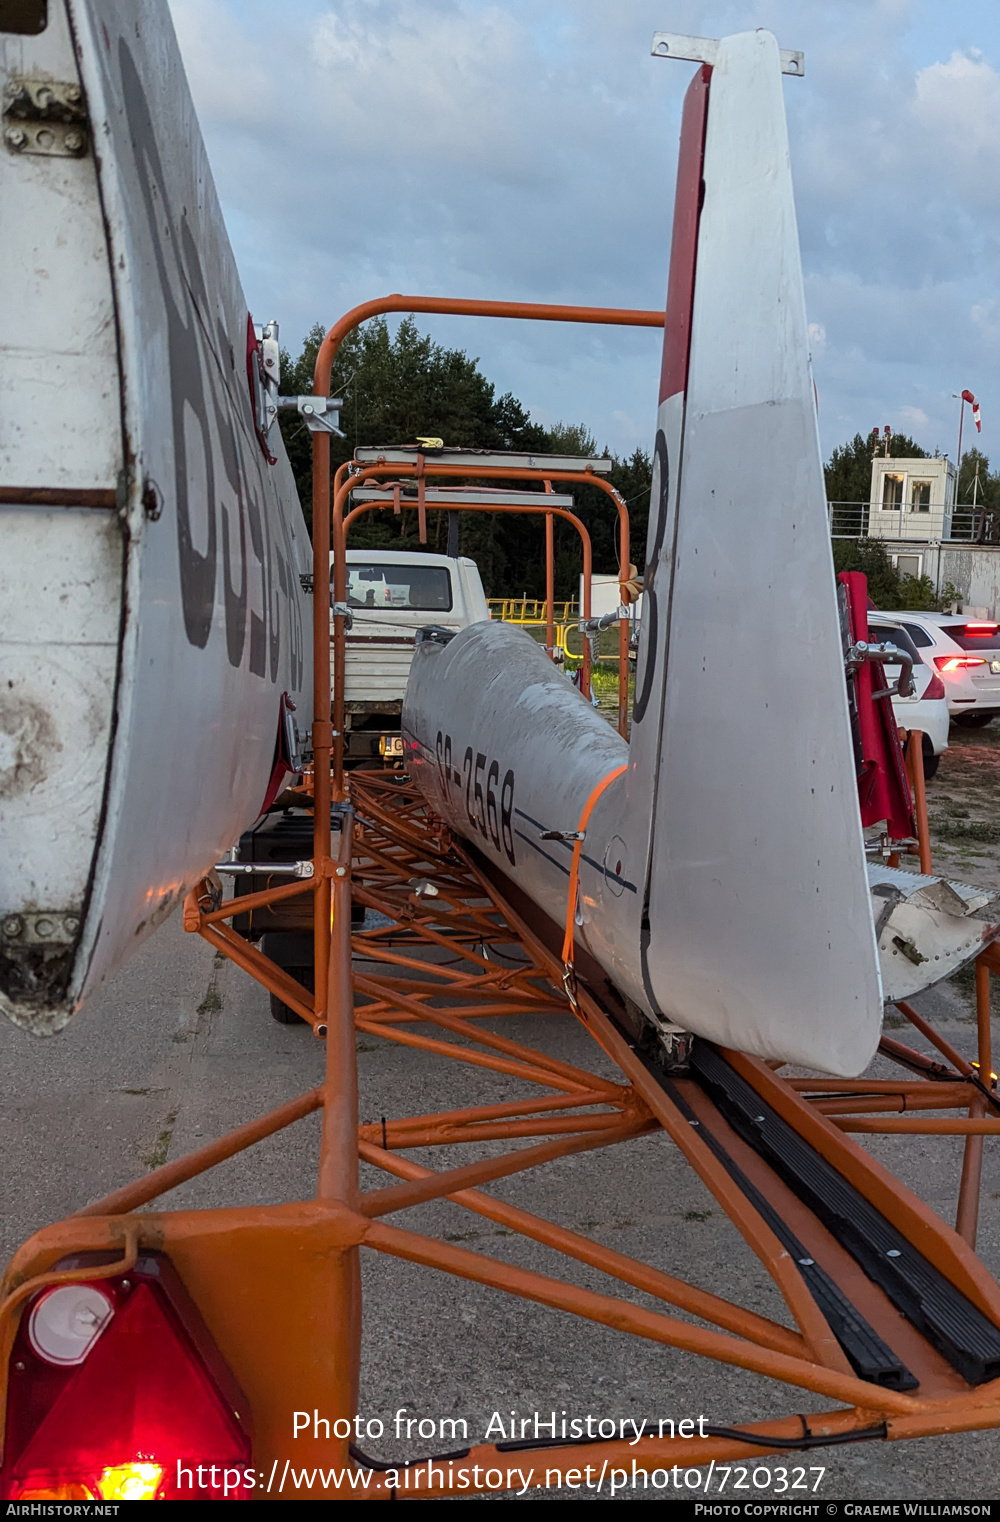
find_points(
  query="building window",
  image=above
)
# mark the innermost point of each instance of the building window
(908, 565)
(892, 493)
(920, 497)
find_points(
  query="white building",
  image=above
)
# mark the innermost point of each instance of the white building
(911, 499)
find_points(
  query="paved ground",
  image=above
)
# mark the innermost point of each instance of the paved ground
(179, 1048)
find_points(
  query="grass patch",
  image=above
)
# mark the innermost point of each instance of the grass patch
(967, 829)
(212, 1002)
(158, 1156)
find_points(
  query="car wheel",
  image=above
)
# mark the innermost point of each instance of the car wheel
(972, 720)
(931, 764)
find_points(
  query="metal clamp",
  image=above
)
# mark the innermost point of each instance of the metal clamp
(321, 414)
(266, 868)
(598, 625)
(861, 651)
(341, 610)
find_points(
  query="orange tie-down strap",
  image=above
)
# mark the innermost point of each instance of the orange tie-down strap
(574, 871)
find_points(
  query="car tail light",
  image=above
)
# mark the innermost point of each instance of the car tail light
(935, 687)
(980, 631)
(957, 662)
(116, 1392)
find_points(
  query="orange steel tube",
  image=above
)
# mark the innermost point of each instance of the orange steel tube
(433, 1185)
(943, 1046)
(132, 1196)
(915, 758)
(338, 1168)
(983, 1026)
(846, 1087)
(931, 1125)
(970, 1186)
(337, 1182)
(501, 1130)
(622, 317)
(936, 1096)
(261, 900)
(550, 581)
(734, 1318)
(447, 1118)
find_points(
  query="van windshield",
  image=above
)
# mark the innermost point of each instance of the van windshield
(420, 588)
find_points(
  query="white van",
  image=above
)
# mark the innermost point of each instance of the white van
(390, 595)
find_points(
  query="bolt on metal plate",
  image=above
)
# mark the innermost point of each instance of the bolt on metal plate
(47, 117)
(42, 927)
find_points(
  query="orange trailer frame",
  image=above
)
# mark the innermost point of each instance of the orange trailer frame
(376, 839)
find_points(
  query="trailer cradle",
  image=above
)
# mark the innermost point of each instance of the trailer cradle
(894, 1318)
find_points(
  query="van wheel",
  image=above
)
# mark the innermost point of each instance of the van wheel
(283, 1012)
(972, 720)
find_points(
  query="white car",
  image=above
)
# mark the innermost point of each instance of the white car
(927, 707)
(965, 652)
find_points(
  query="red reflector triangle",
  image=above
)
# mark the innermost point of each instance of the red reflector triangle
(142, 1393)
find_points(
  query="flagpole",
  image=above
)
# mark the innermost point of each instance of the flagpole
(958, 466)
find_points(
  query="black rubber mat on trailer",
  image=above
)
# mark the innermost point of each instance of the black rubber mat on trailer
(929, 1301)
(869, 1356)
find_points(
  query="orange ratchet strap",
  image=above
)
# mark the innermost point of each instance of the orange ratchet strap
(574, 880)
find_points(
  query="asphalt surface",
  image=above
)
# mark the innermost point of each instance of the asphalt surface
(180, 1047)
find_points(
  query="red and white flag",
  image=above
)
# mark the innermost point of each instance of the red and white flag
(967, 396)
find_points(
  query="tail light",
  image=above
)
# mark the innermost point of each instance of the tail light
(980, 630)
(117, 1392)
(957, 662)
(935, 687)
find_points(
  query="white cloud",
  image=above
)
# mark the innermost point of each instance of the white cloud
(913, 417)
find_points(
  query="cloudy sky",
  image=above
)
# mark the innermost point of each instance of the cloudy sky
(528, 150)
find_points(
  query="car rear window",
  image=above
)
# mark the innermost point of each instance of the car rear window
(415, 588)
(919, 636)
(973, 636)
(888, 635)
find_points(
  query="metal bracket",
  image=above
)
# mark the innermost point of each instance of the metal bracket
(706, 50)
(321, 414)
(861, 651)
(265, 868)
(341, 610)
(46, 117)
